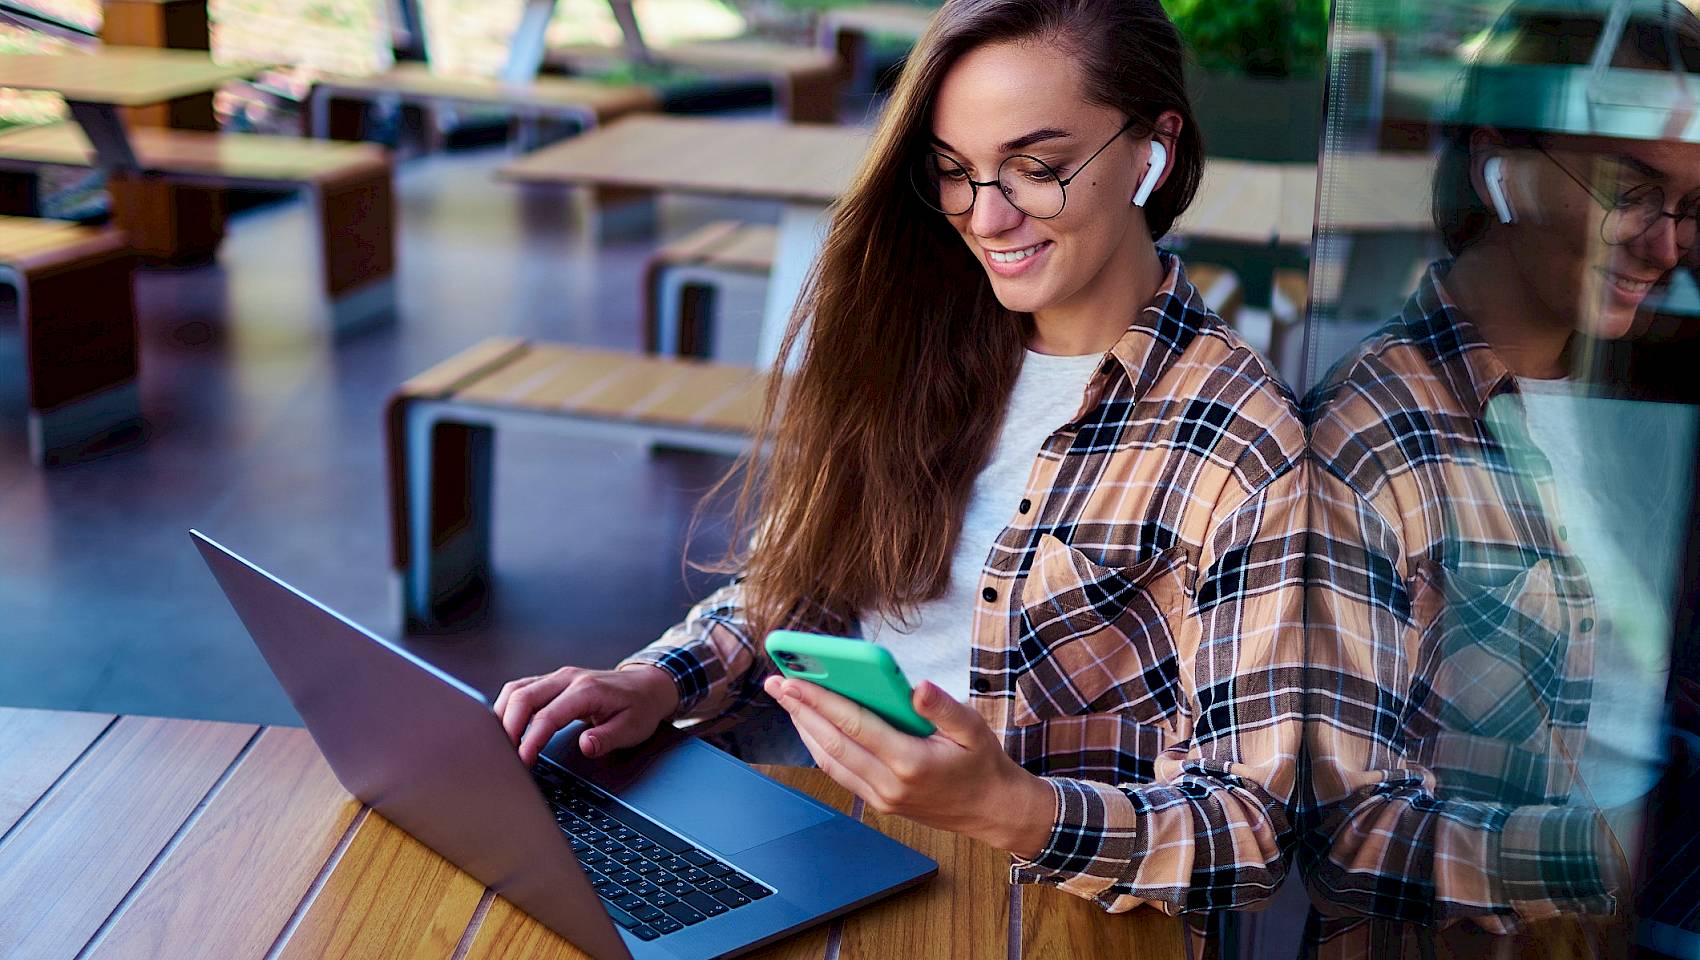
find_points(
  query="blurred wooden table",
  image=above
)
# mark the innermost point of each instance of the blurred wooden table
(759, 160)
(98, 83)
(805, 167)
(143, 837)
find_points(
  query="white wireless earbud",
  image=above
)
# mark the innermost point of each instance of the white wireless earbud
(1153, 173)
(1494, 173)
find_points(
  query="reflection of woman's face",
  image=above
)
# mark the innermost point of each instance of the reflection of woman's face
(1558, 244)
(1005, 99)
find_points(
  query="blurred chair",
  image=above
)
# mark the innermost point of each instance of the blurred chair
(442, 426)
(348, 185)
(77, 320)
(448, 80)
(697, 287)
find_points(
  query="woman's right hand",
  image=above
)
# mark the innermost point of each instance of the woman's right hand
(622, 706)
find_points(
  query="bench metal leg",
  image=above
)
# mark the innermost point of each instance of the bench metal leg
(357, 245)
(62, 434)
(710, 312)
(812, 97)
(80, 351)
(617, 213)
(802, 230)
(446, 576)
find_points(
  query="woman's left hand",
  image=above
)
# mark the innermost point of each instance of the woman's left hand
(958, 779)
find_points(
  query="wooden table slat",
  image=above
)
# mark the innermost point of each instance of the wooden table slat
(1060, 926)
(387, 896)
(961, 914)
(507, 933)
(71, 863)
(268, 832)
(36, 747)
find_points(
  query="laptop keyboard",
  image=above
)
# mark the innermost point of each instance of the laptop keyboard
(653, 881)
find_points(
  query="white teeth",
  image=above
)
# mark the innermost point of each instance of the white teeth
(1632, 286)
(1014, 256)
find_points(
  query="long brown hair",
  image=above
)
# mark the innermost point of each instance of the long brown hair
(861, 470)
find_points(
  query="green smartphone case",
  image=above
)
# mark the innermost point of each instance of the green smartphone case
(855, 669)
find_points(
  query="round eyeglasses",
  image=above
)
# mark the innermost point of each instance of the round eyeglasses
(1631, 214)
(1028, 183)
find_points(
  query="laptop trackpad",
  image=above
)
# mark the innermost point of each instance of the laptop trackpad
(708, 796)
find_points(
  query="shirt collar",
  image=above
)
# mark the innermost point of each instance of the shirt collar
(1157, 336)
(1452, 345)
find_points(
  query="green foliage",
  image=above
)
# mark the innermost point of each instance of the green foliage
(1266, 38)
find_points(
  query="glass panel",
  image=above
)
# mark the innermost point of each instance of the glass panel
(1498, 381)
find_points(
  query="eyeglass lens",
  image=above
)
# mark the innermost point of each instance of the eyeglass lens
(1640, 211)
(1027, 182)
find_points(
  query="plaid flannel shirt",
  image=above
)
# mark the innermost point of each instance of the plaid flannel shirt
(1450, 647)
(1139, 640)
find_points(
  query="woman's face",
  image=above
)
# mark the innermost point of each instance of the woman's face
(1559, 245)
(1005, 99)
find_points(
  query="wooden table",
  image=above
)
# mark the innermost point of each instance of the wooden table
(1240, 202)
(141, 837)
(97, 84)
(803, 166)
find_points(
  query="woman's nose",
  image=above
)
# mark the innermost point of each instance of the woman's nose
(1657, 245)
(993, 213)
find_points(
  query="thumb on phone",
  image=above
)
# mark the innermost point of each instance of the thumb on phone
(956, 720)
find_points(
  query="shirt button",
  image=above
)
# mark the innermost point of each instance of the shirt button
(1026, 505)
(1587, 624)
(990, 595)
(1563, 533)
(981, 685)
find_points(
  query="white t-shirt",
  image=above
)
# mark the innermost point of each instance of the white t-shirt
(935, 645)
(1616, 514)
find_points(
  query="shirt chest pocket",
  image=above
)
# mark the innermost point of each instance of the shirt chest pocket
(1097, 639)
(1497, 657)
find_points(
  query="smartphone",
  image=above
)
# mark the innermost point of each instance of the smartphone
(861, 671)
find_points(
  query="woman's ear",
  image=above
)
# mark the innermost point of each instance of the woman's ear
(1489, 175)
(1165, 133)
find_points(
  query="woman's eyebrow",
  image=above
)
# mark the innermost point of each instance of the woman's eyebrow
(1019, 143)
(1644, 169)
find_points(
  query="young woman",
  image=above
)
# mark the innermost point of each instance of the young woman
(1019, 451)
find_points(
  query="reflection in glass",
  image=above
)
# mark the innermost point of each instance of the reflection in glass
(1501, 534)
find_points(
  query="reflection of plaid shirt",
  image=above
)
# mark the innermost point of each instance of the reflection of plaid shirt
(1138, 643)
(1453, 631)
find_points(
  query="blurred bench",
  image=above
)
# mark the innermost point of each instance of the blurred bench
(349, 186)
(691, 285)
(807, 81)
(847, 30)
(584, 103)
(77, 322)
(441, 434)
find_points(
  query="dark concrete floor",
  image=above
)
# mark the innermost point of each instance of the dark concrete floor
(264, 432)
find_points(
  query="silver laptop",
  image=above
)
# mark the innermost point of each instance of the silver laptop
(671, 850)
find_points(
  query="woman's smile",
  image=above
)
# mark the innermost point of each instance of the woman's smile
(1014, 261)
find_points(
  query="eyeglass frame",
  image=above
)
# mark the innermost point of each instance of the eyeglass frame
(1615, 204)
(1062, 183)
